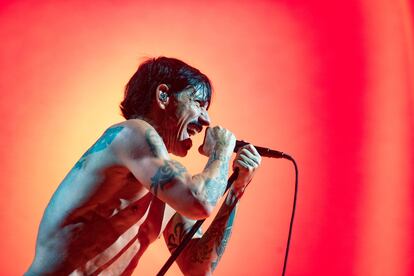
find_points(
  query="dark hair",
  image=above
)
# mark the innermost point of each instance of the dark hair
(177, 75)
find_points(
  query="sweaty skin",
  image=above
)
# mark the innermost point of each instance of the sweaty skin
(124, 191)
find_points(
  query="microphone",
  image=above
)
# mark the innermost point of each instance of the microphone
(265, 152)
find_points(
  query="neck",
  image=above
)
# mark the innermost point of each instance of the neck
(163, 126)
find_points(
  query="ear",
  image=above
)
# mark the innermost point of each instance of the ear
(162, 96)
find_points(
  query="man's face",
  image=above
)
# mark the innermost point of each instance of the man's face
(186, 116)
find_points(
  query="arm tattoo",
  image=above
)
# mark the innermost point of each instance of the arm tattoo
(208, 250)
(213, 190)
(103, 142)
(223, 240)
(175, 238)
(154, 141)
(166, 174)
(216, 156)
(216, 237)
(215, 186)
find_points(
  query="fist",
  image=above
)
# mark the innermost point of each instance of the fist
(217, 139)
(248, 160)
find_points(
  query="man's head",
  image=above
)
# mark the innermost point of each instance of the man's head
(172, 95)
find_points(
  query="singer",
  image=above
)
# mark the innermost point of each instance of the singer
(126, 190)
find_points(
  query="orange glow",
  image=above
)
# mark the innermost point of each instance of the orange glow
(331, 84)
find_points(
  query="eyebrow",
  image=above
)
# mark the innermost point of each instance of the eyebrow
(200, 92)
(203, 98)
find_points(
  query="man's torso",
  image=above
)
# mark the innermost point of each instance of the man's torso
(100, 219)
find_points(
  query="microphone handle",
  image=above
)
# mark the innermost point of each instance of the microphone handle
(265, 152)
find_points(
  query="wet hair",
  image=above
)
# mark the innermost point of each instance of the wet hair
(177, 75)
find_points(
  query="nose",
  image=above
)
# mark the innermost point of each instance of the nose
(204, 118)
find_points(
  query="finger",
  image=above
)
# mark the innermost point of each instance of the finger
(250, 154)
(241, 164)
(255, 152)
(256, 159)
(253, 149)
(201, 147)
(249, 161)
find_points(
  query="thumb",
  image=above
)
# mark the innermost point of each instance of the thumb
(201, 148)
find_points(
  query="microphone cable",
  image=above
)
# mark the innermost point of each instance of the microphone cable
(293, 214)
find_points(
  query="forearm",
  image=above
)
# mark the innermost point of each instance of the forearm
(203, 254)
(193, 196)
(211, 183)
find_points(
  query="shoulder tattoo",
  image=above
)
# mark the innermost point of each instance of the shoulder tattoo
(154, 141)
(103, 142)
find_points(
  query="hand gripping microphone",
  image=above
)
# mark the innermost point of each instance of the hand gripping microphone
(264, 152)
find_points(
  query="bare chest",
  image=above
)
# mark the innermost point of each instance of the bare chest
(123, 254)
(109, 236)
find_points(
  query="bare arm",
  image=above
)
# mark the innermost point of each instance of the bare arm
(143, 152)
(204, 252)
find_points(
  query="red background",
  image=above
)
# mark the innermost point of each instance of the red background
(330, 82)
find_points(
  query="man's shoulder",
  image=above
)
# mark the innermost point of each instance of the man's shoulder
(132, 128)
(133, 124)
(136, 135)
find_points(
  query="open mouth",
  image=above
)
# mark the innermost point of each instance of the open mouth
(193, 129)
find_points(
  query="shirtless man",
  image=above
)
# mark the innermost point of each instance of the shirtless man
(126, 190)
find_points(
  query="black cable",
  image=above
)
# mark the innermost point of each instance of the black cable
(293, 214)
